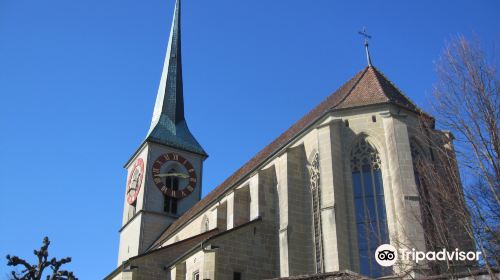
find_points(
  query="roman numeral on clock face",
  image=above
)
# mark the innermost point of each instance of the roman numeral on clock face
(169, 160)
(134, 181)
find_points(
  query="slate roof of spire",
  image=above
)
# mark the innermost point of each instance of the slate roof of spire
(367, 87)
(168, 125)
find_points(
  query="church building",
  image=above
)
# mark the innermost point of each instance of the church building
(319, 199)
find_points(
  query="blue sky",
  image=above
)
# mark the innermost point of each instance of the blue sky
(78, 81)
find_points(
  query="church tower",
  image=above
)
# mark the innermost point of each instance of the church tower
(164, 174)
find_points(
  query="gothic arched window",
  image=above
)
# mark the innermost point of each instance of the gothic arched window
(170, 203)
(371, 219)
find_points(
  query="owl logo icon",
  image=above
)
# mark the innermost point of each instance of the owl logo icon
(386, 255)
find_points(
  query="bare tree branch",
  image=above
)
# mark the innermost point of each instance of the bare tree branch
(35, 272)
(467, 103)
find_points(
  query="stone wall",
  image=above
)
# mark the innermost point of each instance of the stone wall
(300, 230)
(251, 250)
(282, 244)
(153, 265)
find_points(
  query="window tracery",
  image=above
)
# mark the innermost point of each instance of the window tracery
(370, 211)
(314, 184)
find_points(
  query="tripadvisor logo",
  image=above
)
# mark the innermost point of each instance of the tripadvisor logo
(387, 255)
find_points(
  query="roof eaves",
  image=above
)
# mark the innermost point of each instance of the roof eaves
(398, 90)
(201, 244)
(174, 244)
(117, 270)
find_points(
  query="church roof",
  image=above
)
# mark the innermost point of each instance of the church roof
(168, 253)
(372, 87)
(367, 87)
(168, 125)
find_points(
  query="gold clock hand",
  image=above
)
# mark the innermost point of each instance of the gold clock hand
(180, 175)
(131, 189)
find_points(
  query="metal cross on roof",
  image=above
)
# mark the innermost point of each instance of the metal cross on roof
(367, 37)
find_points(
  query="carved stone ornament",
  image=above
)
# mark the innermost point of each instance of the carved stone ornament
(314, 172)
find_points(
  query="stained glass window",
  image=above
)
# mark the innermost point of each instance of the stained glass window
(370, 214)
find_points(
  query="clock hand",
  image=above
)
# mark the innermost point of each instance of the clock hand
(180, 175)
(131, 189)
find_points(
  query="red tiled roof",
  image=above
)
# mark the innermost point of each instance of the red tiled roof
(375, 88)
(170, 252)
(367, 87)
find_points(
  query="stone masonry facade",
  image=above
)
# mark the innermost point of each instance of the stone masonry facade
(293, 210)
(264, 224)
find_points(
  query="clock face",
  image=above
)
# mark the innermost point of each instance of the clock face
(186, 175)
(135, 181)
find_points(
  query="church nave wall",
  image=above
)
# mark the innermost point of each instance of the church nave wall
(251, 250)
(295, 227)
(191, 229)
(235, 208)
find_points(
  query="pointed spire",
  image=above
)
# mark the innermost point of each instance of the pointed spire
(169, 100)
(368, 58)
(168, 125)
(367, 50)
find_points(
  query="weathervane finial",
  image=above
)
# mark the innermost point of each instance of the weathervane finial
(367, 37)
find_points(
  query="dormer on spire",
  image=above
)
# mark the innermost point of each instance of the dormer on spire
(168, 125)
